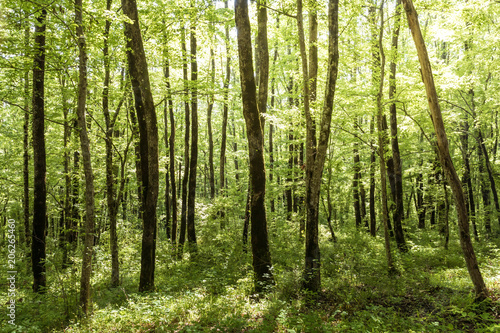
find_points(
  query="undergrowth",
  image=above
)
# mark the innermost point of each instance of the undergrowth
(211, 290)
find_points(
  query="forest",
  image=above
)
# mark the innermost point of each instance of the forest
(249, 166)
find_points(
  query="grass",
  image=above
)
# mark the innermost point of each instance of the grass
(212, 290)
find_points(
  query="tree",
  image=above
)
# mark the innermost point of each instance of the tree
(148, 130)
(87, 166)
(260, 244)
(39, 159)
(444, 153)
(316, 150)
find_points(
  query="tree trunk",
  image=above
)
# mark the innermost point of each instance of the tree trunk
(148, 141)
(398, 178)
(40, 166)
(444, 154)
(263, 55)
(373, 214)
(110, 174)
(316, 150)
(209, 125)
(26, 152)
(382, 135)
(222, 160)
(85, 287)
(355, 186)
(260, 244)
(193, 161)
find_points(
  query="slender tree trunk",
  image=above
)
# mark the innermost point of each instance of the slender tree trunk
(222, 160)
(187, 120)
(485, 190)
(355, 186)
(193, 161)
(316, 150)
(466, 178)
(209, 125)
(373, 214)
(66, 221)
(398, 177)
(85, 287)
(40, 166)
(148, 141)
(382, 139)
(26, 152)
(444, 154)
(260, 244)
(263, 55)
(110, 174)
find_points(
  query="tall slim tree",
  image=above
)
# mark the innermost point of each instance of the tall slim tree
(316, 149)
(444, 153)
(26, 153)
(193, 161)
(148, 131)
(260, 244)
(85, 288)
(39, 159)
(396, 158)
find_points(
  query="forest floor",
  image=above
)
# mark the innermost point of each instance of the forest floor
(211, 291)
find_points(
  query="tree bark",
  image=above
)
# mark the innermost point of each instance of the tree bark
(373, 214)
(187, 121)
(398, 174)
(444, 154)
(316, 150)
(26, 152)
(85, 287)
(209, 125)
(222, 160)
(355, 186)
(382, 137)
(39, 159)
(148, 131)
(193, 161)
(260, 244)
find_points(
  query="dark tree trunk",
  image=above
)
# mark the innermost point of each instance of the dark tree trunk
(66, 214)
(170, 144)
(466, 178)
(485, 190)
(110, 173)
(148, 141)
(355, 186)
(260, 244)
(40, 167)
(85, 287)
(187, 121)
(398, 177)
(209, 125)
(193, 161)
(26, 152)
(444, 154)
(316, 150)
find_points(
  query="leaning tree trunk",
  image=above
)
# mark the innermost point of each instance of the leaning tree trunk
(148, 131)
(85, 287)
(444, 153)
(40, 166)
(260, 244)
